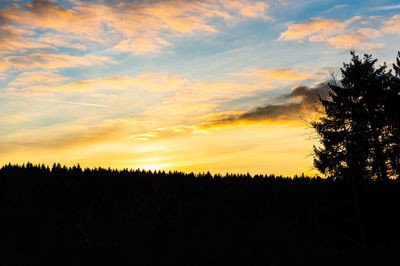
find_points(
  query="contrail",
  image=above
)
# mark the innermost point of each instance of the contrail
(78, 103)
(66, 102)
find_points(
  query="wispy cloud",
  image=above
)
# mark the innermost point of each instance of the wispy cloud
(52, 82)
(74, 103)
(61, 101)
(27, 79)
(334, 8)
(287, 74)
(384, 8)
(51, 61)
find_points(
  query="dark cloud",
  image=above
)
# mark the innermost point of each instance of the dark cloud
(303, 102)
(40, 7)
(272, 112)
(307, 95)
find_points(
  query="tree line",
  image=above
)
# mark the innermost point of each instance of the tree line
(72, 216)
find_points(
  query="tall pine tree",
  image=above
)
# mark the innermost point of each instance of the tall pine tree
(359, 131)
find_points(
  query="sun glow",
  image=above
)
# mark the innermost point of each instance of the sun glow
(154, 167)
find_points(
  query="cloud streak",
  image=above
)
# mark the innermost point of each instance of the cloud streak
(51, 61)
(53, 82)
(380, 8)
(73, 103)
(303, 100)
(276, 74)
(64, 102)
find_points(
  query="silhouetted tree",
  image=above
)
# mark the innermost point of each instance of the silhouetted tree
(359, 133)
(393, 114)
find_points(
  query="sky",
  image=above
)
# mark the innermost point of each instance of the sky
(212, 85)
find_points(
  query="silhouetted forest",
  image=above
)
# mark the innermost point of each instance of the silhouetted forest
(74, 216)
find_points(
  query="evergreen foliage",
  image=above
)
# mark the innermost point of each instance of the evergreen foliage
(359, 132)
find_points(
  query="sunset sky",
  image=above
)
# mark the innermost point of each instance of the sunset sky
(213, 85)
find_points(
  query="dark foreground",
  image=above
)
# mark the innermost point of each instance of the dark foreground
(77, 217)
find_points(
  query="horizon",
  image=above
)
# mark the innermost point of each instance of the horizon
(218, 86)
(56, 165)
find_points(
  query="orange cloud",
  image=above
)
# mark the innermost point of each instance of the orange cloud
(280, 73)
(12, 39)
(142, 46)
(334, 33)
(316, 29)
(54, 41)
(27, 79)
(370, 32)
(137, 27)
(353, 42)
(247, 8)
(392, 25)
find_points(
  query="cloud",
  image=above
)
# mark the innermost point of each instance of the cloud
(285, 111)
(27, 79)
(308, 95)
(75, 103)
(63, 136)
(353, 41)
(51, 61)
(14, 118)
(379, 8)
(334, 8)
(56, 41)
(348, 34)
(149, 81)
(315, 29)
(392, 25)
(303, 100)
(280, 74)
(212, 92)
(196, 103)
(176, 113)
(247, 8)
(372, 33)
(139, 27)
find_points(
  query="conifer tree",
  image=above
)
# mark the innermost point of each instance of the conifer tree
(359, 130)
